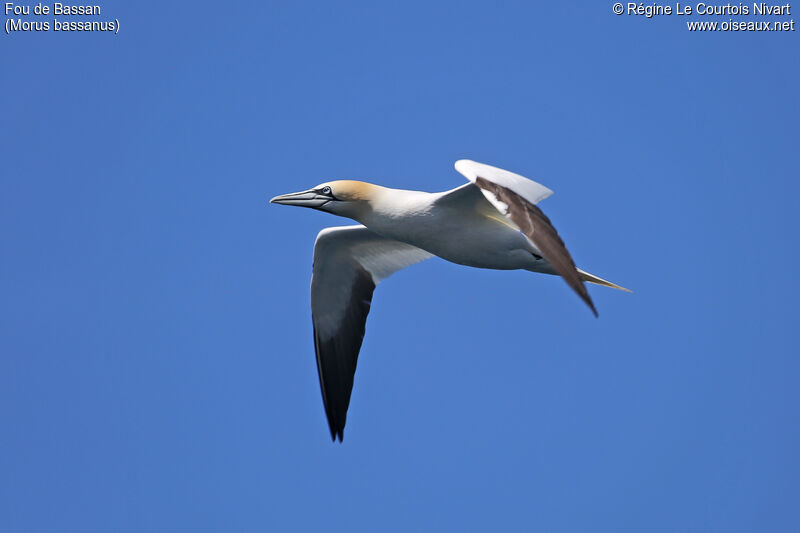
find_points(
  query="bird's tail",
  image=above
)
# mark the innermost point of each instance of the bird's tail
(585, 276)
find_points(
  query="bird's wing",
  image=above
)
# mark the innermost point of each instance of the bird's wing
(516, 197)
(530, 190)
(349, 262)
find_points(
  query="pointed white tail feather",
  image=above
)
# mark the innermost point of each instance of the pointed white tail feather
(585, 276)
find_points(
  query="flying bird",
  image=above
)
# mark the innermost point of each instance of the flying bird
(491, 222)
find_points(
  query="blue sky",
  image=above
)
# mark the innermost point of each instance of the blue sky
(157, 368)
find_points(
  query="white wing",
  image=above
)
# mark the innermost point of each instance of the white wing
(528, 189)
(516, 197)
(349, 262)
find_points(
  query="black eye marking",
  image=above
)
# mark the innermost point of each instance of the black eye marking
(326, 190)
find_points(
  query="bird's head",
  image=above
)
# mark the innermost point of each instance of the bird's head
(347, 198)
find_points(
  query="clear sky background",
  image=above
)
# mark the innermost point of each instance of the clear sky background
(156, 361)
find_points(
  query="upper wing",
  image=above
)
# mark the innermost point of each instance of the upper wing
(530, 190)
(516, 196)
(349, 262)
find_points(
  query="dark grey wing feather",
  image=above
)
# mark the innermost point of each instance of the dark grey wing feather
(337, 356)
(349, 262)
(538, 228)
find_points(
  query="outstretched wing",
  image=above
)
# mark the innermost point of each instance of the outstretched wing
(349, 262)
(516, 197)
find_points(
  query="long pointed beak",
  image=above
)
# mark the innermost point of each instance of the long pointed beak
(302, 199)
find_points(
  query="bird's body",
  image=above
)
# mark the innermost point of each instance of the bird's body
(458, 226)
(492, 222)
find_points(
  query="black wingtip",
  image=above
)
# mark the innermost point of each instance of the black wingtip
(590, 303)
(337, 434)
(581, 291)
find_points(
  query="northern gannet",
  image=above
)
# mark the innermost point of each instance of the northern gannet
(491, 222)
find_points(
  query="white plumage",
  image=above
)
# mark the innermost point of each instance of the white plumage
(492, 222)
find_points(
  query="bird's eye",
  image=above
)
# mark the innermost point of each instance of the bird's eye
(326, 190)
